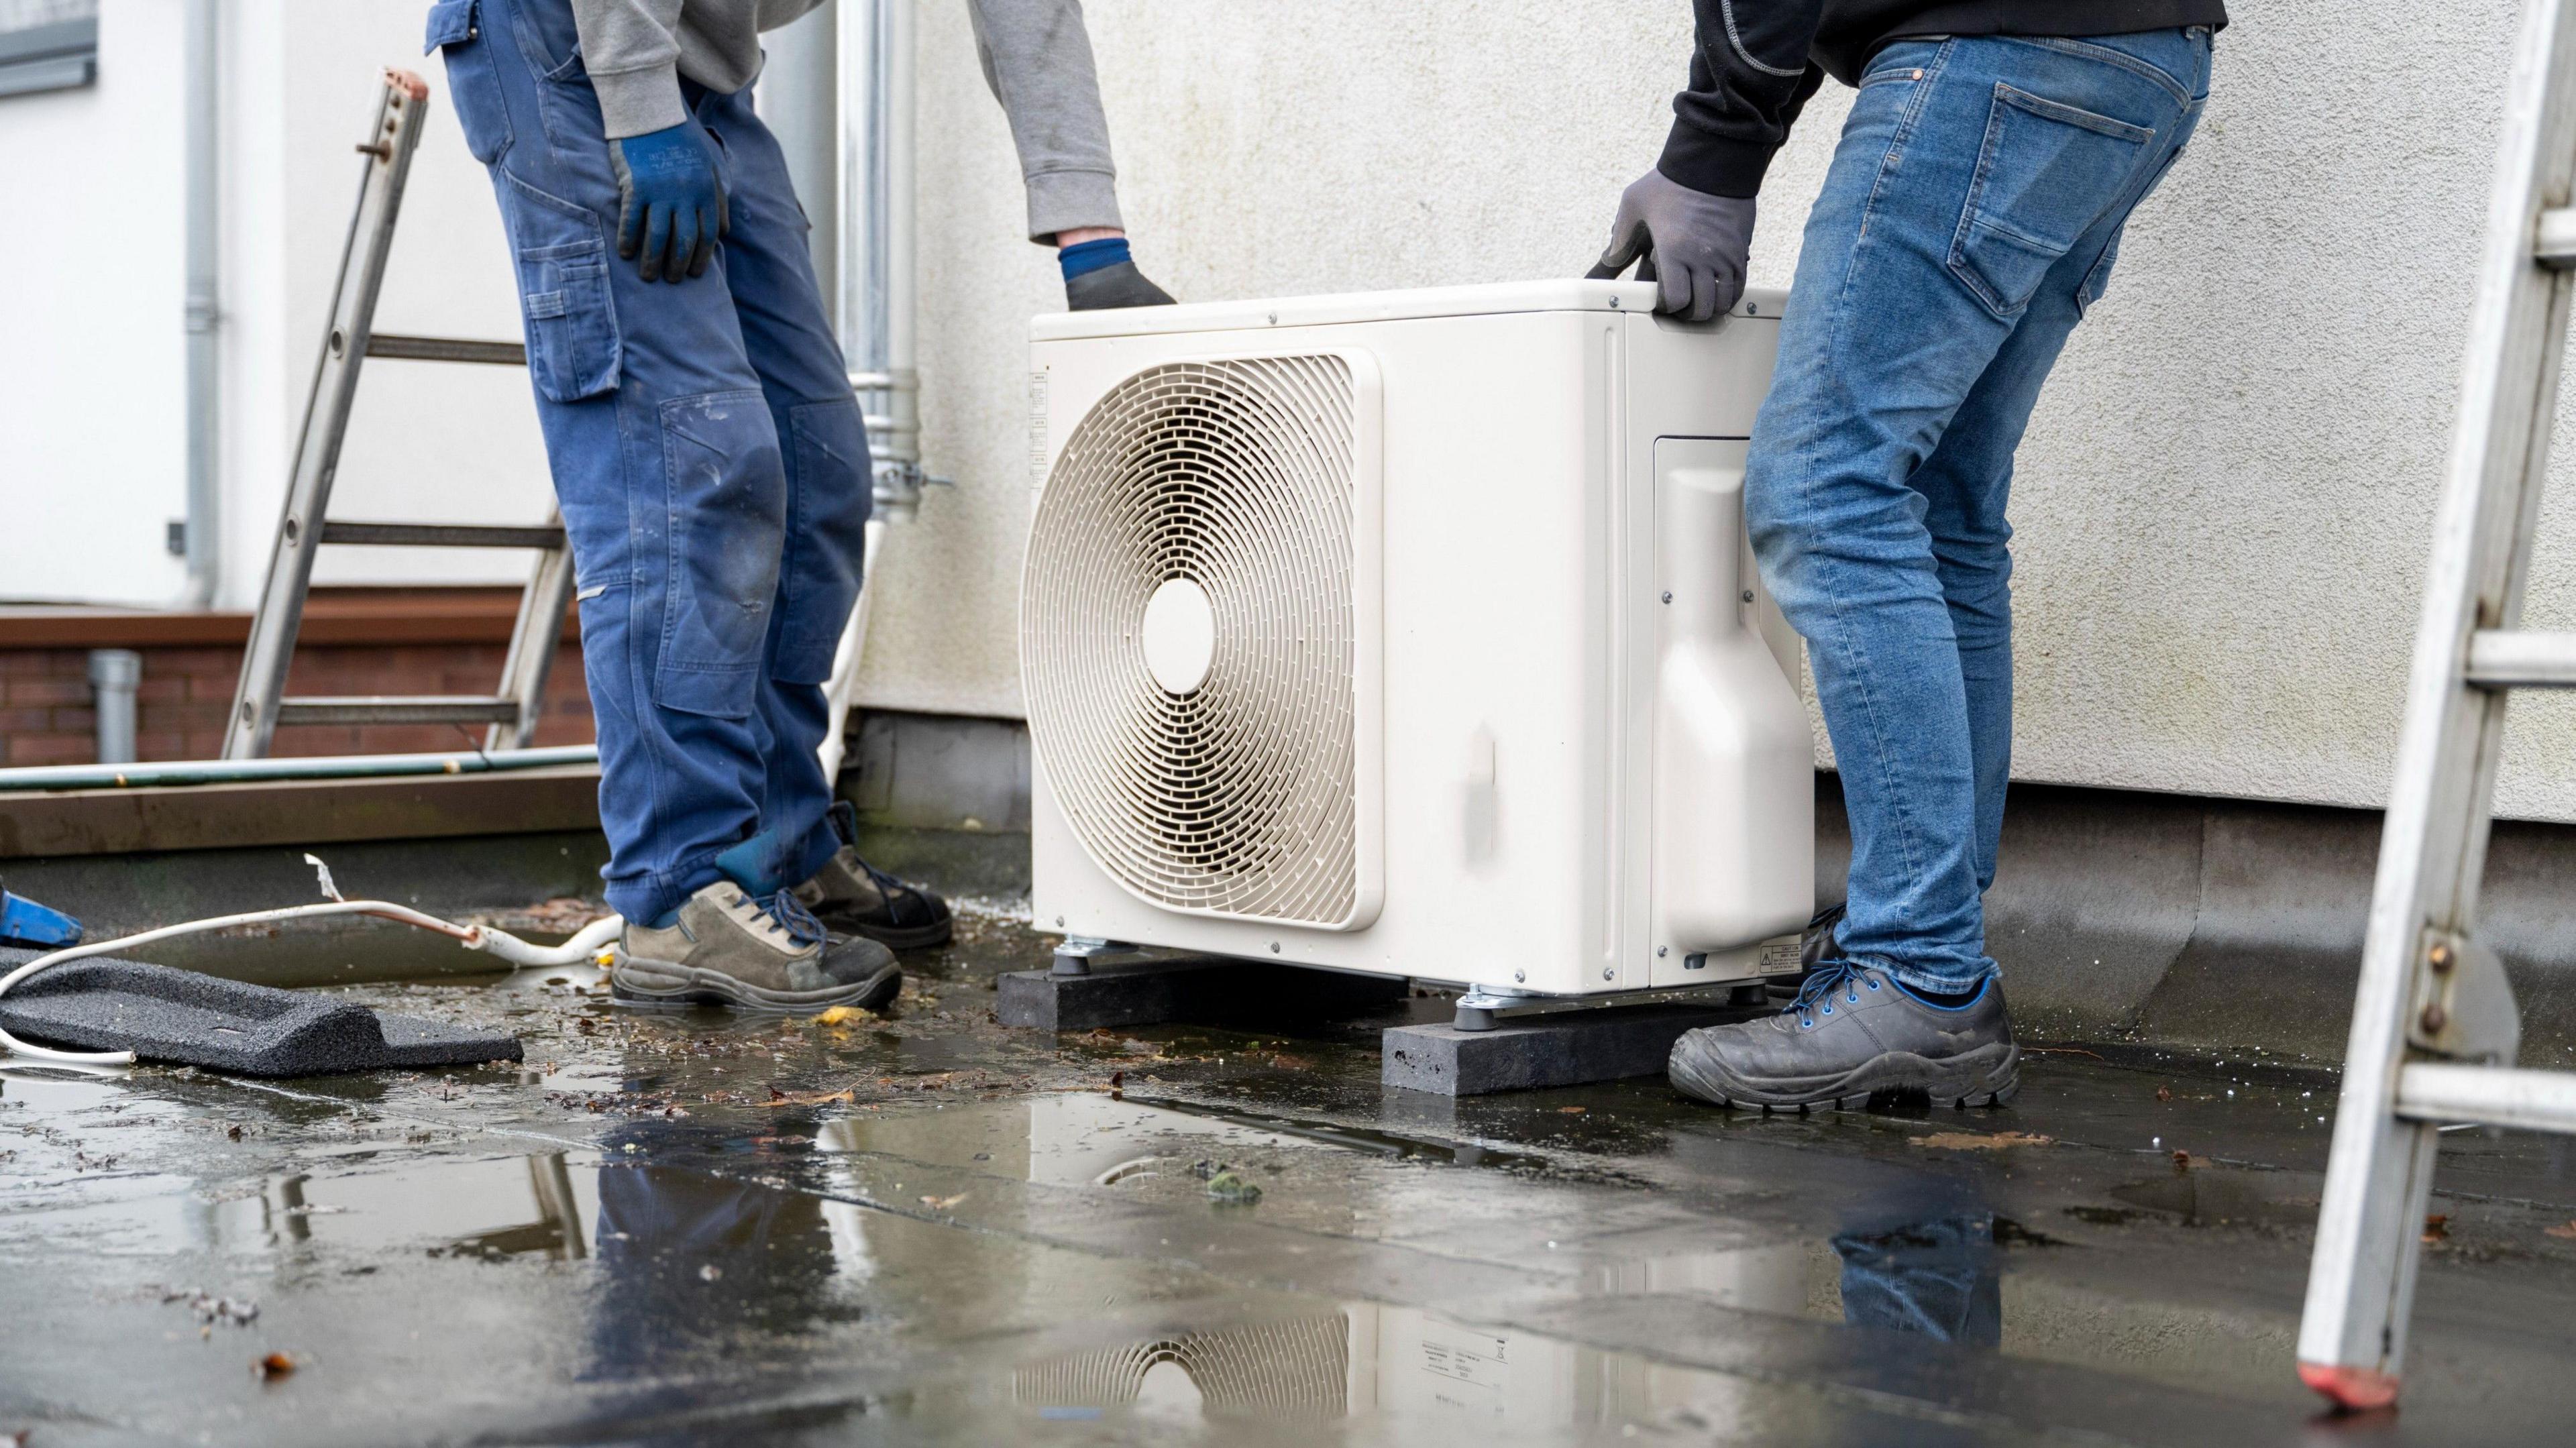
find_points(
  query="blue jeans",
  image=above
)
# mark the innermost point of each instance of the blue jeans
(709, 458)
(1971, 215)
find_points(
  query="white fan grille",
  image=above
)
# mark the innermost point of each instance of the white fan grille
(1236, 797)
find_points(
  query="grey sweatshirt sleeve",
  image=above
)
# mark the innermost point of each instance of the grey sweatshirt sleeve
(1037, 59)
(632, 50)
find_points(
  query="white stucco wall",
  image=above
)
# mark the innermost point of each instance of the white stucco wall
(2222, 503)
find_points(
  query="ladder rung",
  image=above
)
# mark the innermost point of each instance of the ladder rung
(399, 709)
(2488, 1095)
(2518, 659)
(442, 535)
(446, 349)
(2553, 244)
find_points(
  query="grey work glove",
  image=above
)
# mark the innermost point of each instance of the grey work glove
(1117, 285)
(1694, 245)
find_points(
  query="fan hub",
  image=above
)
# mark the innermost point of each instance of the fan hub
(1179, 635)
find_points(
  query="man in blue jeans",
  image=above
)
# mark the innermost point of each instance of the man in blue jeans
(710, 458)
(1971, 216)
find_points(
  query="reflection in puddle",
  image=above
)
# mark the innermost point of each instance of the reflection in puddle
(1937, 1278)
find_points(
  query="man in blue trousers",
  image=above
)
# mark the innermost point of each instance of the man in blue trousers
(710, 459)
(1971, 215)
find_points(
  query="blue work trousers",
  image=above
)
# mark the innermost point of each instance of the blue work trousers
(1971, 215)
(709, 457)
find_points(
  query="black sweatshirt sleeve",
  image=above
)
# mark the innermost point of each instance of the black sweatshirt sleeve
(1749, 77)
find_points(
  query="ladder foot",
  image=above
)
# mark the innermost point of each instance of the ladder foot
(2353, 1389)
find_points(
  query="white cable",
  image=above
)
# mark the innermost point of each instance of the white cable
(519, 953)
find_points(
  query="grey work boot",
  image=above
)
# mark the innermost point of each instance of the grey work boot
(732, 949)
(1853, 1032)
(853, 897)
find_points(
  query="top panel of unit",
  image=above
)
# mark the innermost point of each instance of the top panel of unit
(1565, 295)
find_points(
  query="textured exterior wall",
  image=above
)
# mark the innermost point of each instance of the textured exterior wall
(2224, 497)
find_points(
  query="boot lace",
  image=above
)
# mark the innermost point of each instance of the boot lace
(1815, 996)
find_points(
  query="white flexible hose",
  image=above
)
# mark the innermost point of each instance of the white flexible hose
(519, 953)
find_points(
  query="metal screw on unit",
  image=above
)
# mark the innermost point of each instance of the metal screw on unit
(1753, 309)
(1662, 950)
(2440, 958)
(1519, 977)
(1748, 595)
(2435, 1018)
(1668, 595)
(1059, 922)
(1274, 319)
(1274, 947)
(1608, 974)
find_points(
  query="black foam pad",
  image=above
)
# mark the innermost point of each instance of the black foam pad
(105, 1003)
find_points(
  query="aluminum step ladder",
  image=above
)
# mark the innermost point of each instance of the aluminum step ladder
(259, 703)
(2434, 1025)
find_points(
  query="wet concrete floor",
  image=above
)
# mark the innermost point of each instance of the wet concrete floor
(928, 1229)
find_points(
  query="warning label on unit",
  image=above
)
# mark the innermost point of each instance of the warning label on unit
(1037, 429)
(1779, 956)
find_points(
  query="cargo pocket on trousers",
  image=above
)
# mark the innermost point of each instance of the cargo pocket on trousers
(727, 506)
(826, 535)
(2046, 173)
(573, 346)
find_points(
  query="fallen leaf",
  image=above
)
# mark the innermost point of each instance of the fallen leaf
(1229, 1189)
(2164, 1093)
(1569, 1111)
(2437, 1227)
(275, 1365)
(809, 1098)
(2567, 1231)
(2182, 1161)
(1976, 1141)
(941, 1204)
(843, 1015)
(235, 1133)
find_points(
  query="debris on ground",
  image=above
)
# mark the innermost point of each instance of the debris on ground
(2437, 1228)
(1229, 1189)
(844, 1015)
(272, 1367)
(2565, 1229)
(1980, 1141)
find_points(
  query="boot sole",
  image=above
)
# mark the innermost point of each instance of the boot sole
(1987, 1076)
(636, 981)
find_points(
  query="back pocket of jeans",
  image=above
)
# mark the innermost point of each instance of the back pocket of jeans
(2047, 172)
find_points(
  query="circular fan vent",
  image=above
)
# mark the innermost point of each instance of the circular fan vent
(1188, 636)
(1289, 1371)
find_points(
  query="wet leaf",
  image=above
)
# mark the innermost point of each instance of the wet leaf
(2164, 1093)
(275, 1365)
(844, 1015)
(941, 1204)
(2437, 1227)
(235, 1133)
(2565, 1230)
(1570, 1110)
(1978, 1141)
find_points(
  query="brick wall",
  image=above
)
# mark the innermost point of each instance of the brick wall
(456, 643)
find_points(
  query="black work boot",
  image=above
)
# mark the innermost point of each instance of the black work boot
(1851, 1033)
(853, 897)
(764, 954)
(1815, 947)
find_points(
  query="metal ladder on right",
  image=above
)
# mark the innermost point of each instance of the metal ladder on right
(2434, 1024)
(259, 702)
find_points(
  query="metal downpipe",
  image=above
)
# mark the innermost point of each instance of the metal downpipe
(202, 531)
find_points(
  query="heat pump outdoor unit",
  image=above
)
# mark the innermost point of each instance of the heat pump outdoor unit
(1414, 633)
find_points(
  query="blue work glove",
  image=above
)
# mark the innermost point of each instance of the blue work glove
(1694, 245)
(670, 203)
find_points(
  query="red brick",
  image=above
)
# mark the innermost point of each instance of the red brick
(22, 663)
(75, 721)
(161, 744)
(25, 692)
(51, 749)
(25, 721)
(160, 688)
